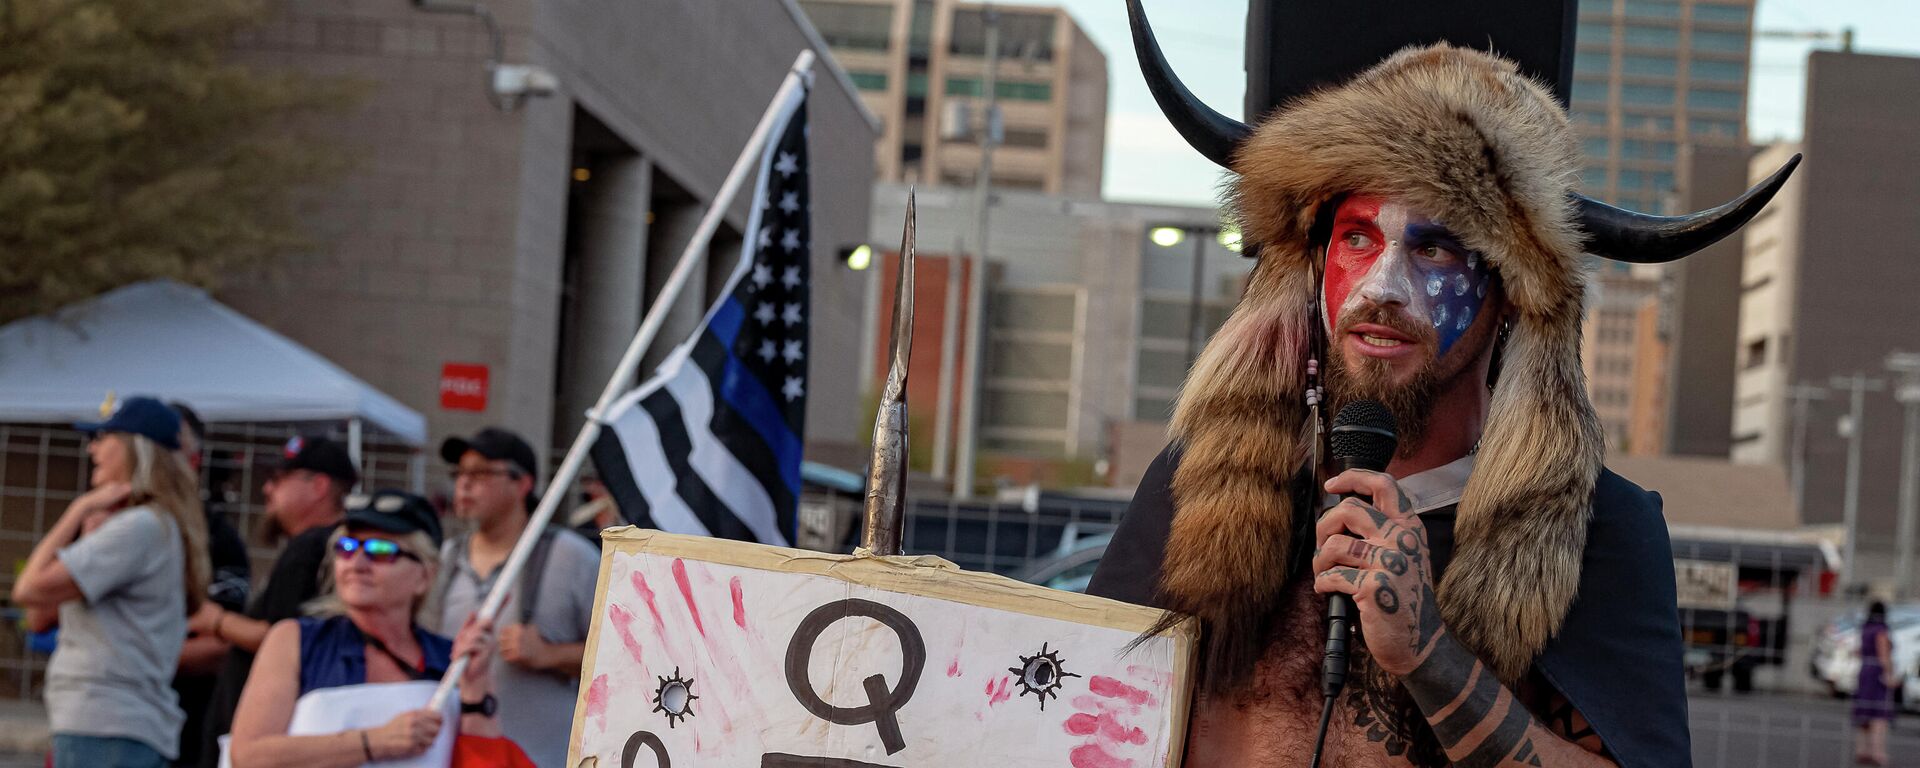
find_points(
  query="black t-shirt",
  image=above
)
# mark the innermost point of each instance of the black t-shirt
(294, 581)
(232, 580)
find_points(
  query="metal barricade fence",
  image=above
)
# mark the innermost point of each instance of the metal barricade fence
(45, 467)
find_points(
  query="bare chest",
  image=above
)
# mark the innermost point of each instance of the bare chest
(1271, 723)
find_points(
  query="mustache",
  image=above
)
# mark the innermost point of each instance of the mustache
(1397, 320)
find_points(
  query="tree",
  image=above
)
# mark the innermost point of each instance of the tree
(132, 147)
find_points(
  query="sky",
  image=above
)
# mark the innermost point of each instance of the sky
(1204, 39)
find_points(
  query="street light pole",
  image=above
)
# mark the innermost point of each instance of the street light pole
(1859, 385)
(1908, 395)
(1797, 461)
(977, 281)
(1196, 330)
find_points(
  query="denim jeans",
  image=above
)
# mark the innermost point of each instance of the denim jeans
(79, 751)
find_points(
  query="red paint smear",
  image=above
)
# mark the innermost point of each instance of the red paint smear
(1110, 729)
(1001, 693)
(1154, 676)
(686, 592)
(621, 619)
(1111, 688)
(597, 697)
(953, 670)
(640, 584)
(739, 606)
(1092, 756)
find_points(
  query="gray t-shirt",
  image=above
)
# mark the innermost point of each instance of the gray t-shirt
(112, 672)
(536, 708)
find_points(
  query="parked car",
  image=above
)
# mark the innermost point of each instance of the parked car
(1836, 650)
(1071, 568)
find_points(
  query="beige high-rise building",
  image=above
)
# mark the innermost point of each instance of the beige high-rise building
(1649, 76)
(919, 65)
(1614, 352)
(1827, 288)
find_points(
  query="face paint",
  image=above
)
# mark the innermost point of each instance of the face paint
(1386, 254)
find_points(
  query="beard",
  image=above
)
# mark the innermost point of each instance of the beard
(1368, 378)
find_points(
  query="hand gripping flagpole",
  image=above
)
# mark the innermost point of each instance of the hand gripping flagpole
(623, 373)
(887, 469)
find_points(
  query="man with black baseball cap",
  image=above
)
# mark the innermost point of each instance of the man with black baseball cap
(543, 626)
(305, 499)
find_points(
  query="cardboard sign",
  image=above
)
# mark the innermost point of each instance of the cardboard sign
(463, 387)
(706, 652)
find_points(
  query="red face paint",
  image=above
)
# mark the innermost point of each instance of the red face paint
(1355, 244)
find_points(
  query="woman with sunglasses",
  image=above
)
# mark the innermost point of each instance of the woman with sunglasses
(364, 629)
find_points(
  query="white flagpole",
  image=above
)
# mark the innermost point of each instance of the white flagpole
(623, 373)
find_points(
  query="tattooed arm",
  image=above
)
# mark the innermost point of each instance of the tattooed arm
(1379, 555)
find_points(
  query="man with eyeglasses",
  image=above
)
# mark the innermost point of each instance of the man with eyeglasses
(305, 497)
(543, 626)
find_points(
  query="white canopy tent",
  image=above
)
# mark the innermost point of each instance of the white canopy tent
(176, 342)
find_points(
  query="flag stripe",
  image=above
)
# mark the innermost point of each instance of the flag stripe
(725, 477)
(749, 396)
(616, 473)
(652, 471)
(745, 444)
(677, 447)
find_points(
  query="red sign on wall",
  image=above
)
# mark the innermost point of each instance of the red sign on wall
(463, 387)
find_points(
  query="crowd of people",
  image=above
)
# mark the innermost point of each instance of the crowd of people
(166, 655)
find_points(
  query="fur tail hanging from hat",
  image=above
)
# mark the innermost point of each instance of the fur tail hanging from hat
(1244, 438)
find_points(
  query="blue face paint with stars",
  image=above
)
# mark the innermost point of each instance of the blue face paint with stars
(1384, 253)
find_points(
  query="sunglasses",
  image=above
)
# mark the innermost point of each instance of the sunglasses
(376, 550)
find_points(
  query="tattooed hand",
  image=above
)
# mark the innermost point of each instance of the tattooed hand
(1378, 554)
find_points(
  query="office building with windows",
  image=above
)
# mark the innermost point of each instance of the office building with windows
(1827, 290)
(919, 66)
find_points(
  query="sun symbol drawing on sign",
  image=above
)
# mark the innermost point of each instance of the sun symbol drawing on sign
(675, 698)
(1041, 675)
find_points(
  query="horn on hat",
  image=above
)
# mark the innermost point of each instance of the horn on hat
(1623, 235)
(1214, 134)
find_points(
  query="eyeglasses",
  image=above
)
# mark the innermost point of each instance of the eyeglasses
(478, 474)
(375, 549)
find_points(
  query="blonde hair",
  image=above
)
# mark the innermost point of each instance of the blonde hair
(162, 480)
(417, 544)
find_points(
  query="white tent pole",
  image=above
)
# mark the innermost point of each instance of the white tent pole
(623, 373)
(354, 436)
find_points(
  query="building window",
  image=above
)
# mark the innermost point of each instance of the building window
(1596, 6)
(868, 81)
(1592, 62)
(1012, 90)
(1032, 410)
(1598, 33)
(1024, 137)
(1022, 35)
(851, 26)
(1152, 409)
(1721, 100)
(1647, 95)
(1652, 37)
(1030, 360)
(1756, 354)
(1648, 123)
(1596, 148)
(1593, 178)
(1709, 40)
(1653, 9)
(1728, 14)
(1718, 71)
(1590, 90)
(1033, 311)
(1638, 149)
(1719, 129)
(1649, 66)
(917, 84)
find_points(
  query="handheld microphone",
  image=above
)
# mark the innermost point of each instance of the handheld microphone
(1362, 437)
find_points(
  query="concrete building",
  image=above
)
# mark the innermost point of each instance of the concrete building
(919, 65)
(1089, 323)
(1827, 287)
(1616, 352)
(1650, 76)
(525, 245)
(1702, 323)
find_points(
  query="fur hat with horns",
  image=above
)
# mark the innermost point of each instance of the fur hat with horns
(1465, 136)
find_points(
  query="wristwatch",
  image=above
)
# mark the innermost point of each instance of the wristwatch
(485, 707)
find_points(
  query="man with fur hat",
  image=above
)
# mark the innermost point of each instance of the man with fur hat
(1420, 242)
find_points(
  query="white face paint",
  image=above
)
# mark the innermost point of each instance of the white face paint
(1384, 253)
